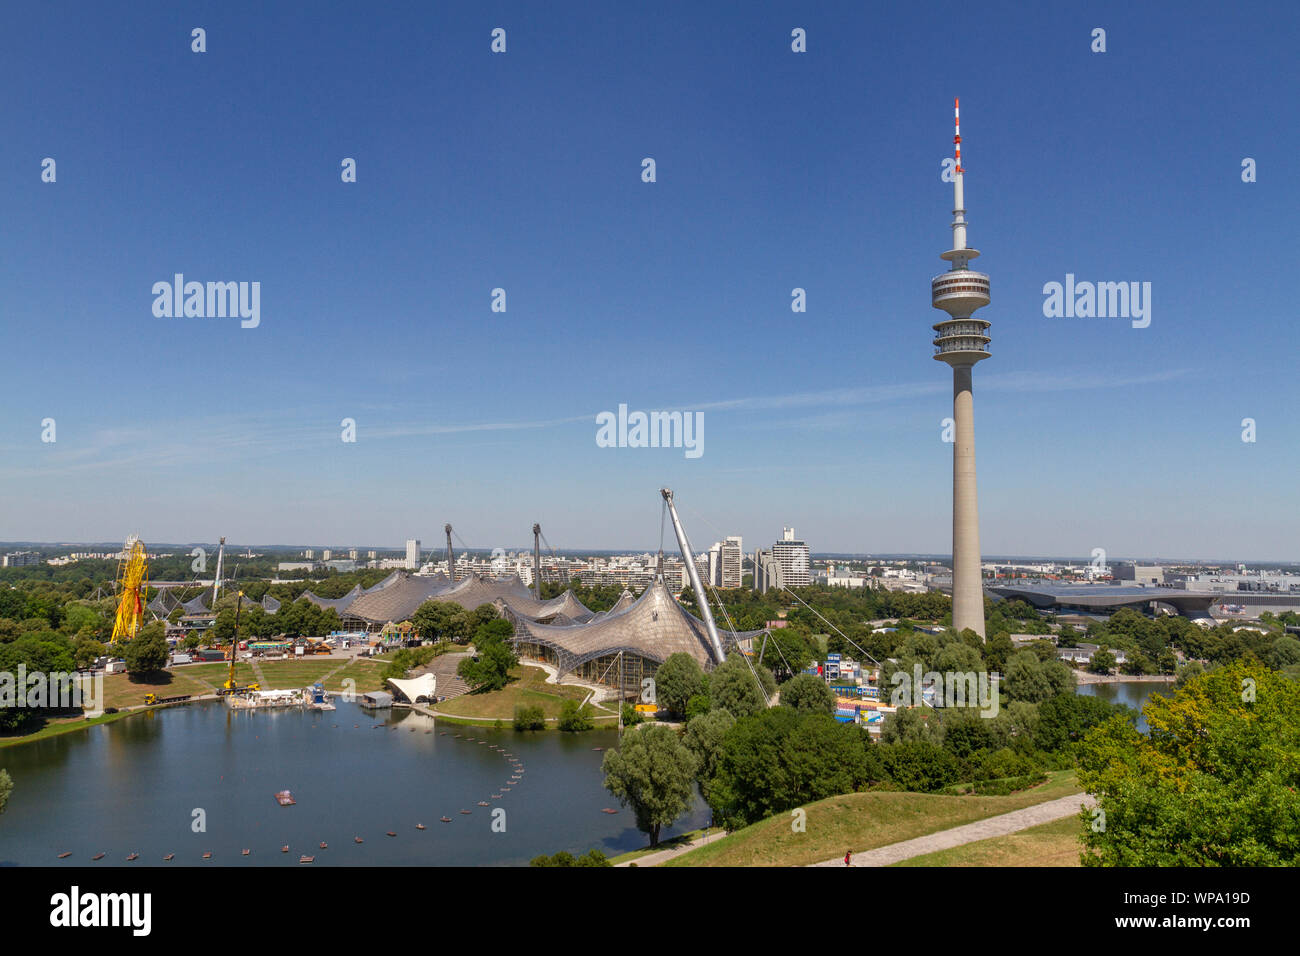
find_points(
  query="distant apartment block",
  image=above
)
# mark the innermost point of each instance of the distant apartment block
(793, 557)
(20, 559)
(732, 562)
(412, 553)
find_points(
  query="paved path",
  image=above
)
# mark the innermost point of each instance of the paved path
(654, 859)
(997, 826)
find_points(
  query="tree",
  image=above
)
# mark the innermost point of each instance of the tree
(575, 718)
(918, 765)
(1213, 783)
(77, 616)
(703, 738)
(433, 620)
(732, 686)
(1285, 651)
(911, 723)
(6, 788)
(808, 692)
(1032, 680)
(592, 857)
(1103, 661)
(677, 680)
(654, 774)
(1066, 718)
(783, 758)
(529, 718)
(490, 670)
(146, 653)
(87, 651)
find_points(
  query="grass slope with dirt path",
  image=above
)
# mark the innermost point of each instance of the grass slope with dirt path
(1048, 844)
(527, 689)
(862, 821)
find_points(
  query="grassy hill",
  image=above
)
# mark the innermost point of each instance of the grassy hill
(529, 688)
(863, 821)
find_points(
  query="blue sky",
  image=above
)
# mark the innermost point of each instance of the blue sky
(522, 170)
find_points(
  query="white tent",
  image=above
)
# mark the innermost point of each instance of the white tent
(415, 690)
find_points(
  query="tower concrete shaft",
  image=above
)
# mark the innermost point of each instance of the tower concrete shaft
(967, 577)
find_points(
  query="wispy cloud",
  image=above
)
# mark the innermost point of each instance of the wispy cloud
(199, 442)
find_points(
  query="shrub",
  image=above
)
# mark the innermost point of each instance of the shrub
(529, 718)
(574, 717)
(698, 705)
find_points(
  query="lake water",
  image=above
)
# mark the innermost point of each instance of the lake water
(133, 786)
(1130, 693)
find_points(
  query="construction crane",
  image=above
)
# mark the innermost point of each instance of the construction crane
(132, 580)
(230, 687)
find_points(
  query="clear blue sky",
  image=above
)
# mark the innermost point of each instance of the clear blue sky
(523, 171)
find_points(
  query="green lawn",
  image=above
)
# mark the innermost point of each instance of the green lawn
(530, 689)
(862, 821)
(1049, 844)
(123, 690)
(290, 674)
(362, 670)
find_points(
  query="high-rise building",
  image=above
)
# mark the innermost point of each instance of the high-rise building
(961, 341)
(767, 572)
(732, 562)
(702, 567)
(326, 555)
(413, 553)
(793, 557)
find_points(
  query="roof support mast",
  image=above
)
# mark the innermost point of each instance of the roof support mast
(451, 558)
(702, 597)
(216, 585)
(537, 561)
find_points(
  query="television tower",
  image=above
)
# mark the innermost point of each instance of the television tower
(961, 341)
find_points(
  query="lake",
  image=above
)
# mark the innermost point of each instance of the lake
(134, 786)
(1130, 693)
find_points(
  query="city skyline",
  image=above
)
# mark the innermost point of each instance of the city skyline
(819, 171)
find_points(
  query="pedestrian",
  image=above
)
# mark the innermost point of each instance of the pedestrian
(848, 857)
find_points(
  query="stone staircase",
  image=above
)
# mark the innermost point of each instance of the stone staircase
(443, 668)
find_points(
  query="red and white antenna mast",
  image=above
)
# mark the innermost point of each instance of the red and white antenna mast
(959, 199)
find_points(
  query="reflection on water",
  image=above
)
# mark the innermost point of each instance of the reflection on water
(1130, 693)
(134, 786)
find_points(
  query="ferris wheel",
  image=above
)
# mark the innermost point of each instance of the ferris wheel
(132, 579)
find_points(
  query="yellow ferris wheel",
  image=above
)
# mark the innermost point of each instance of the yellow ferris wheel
(132, 580)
